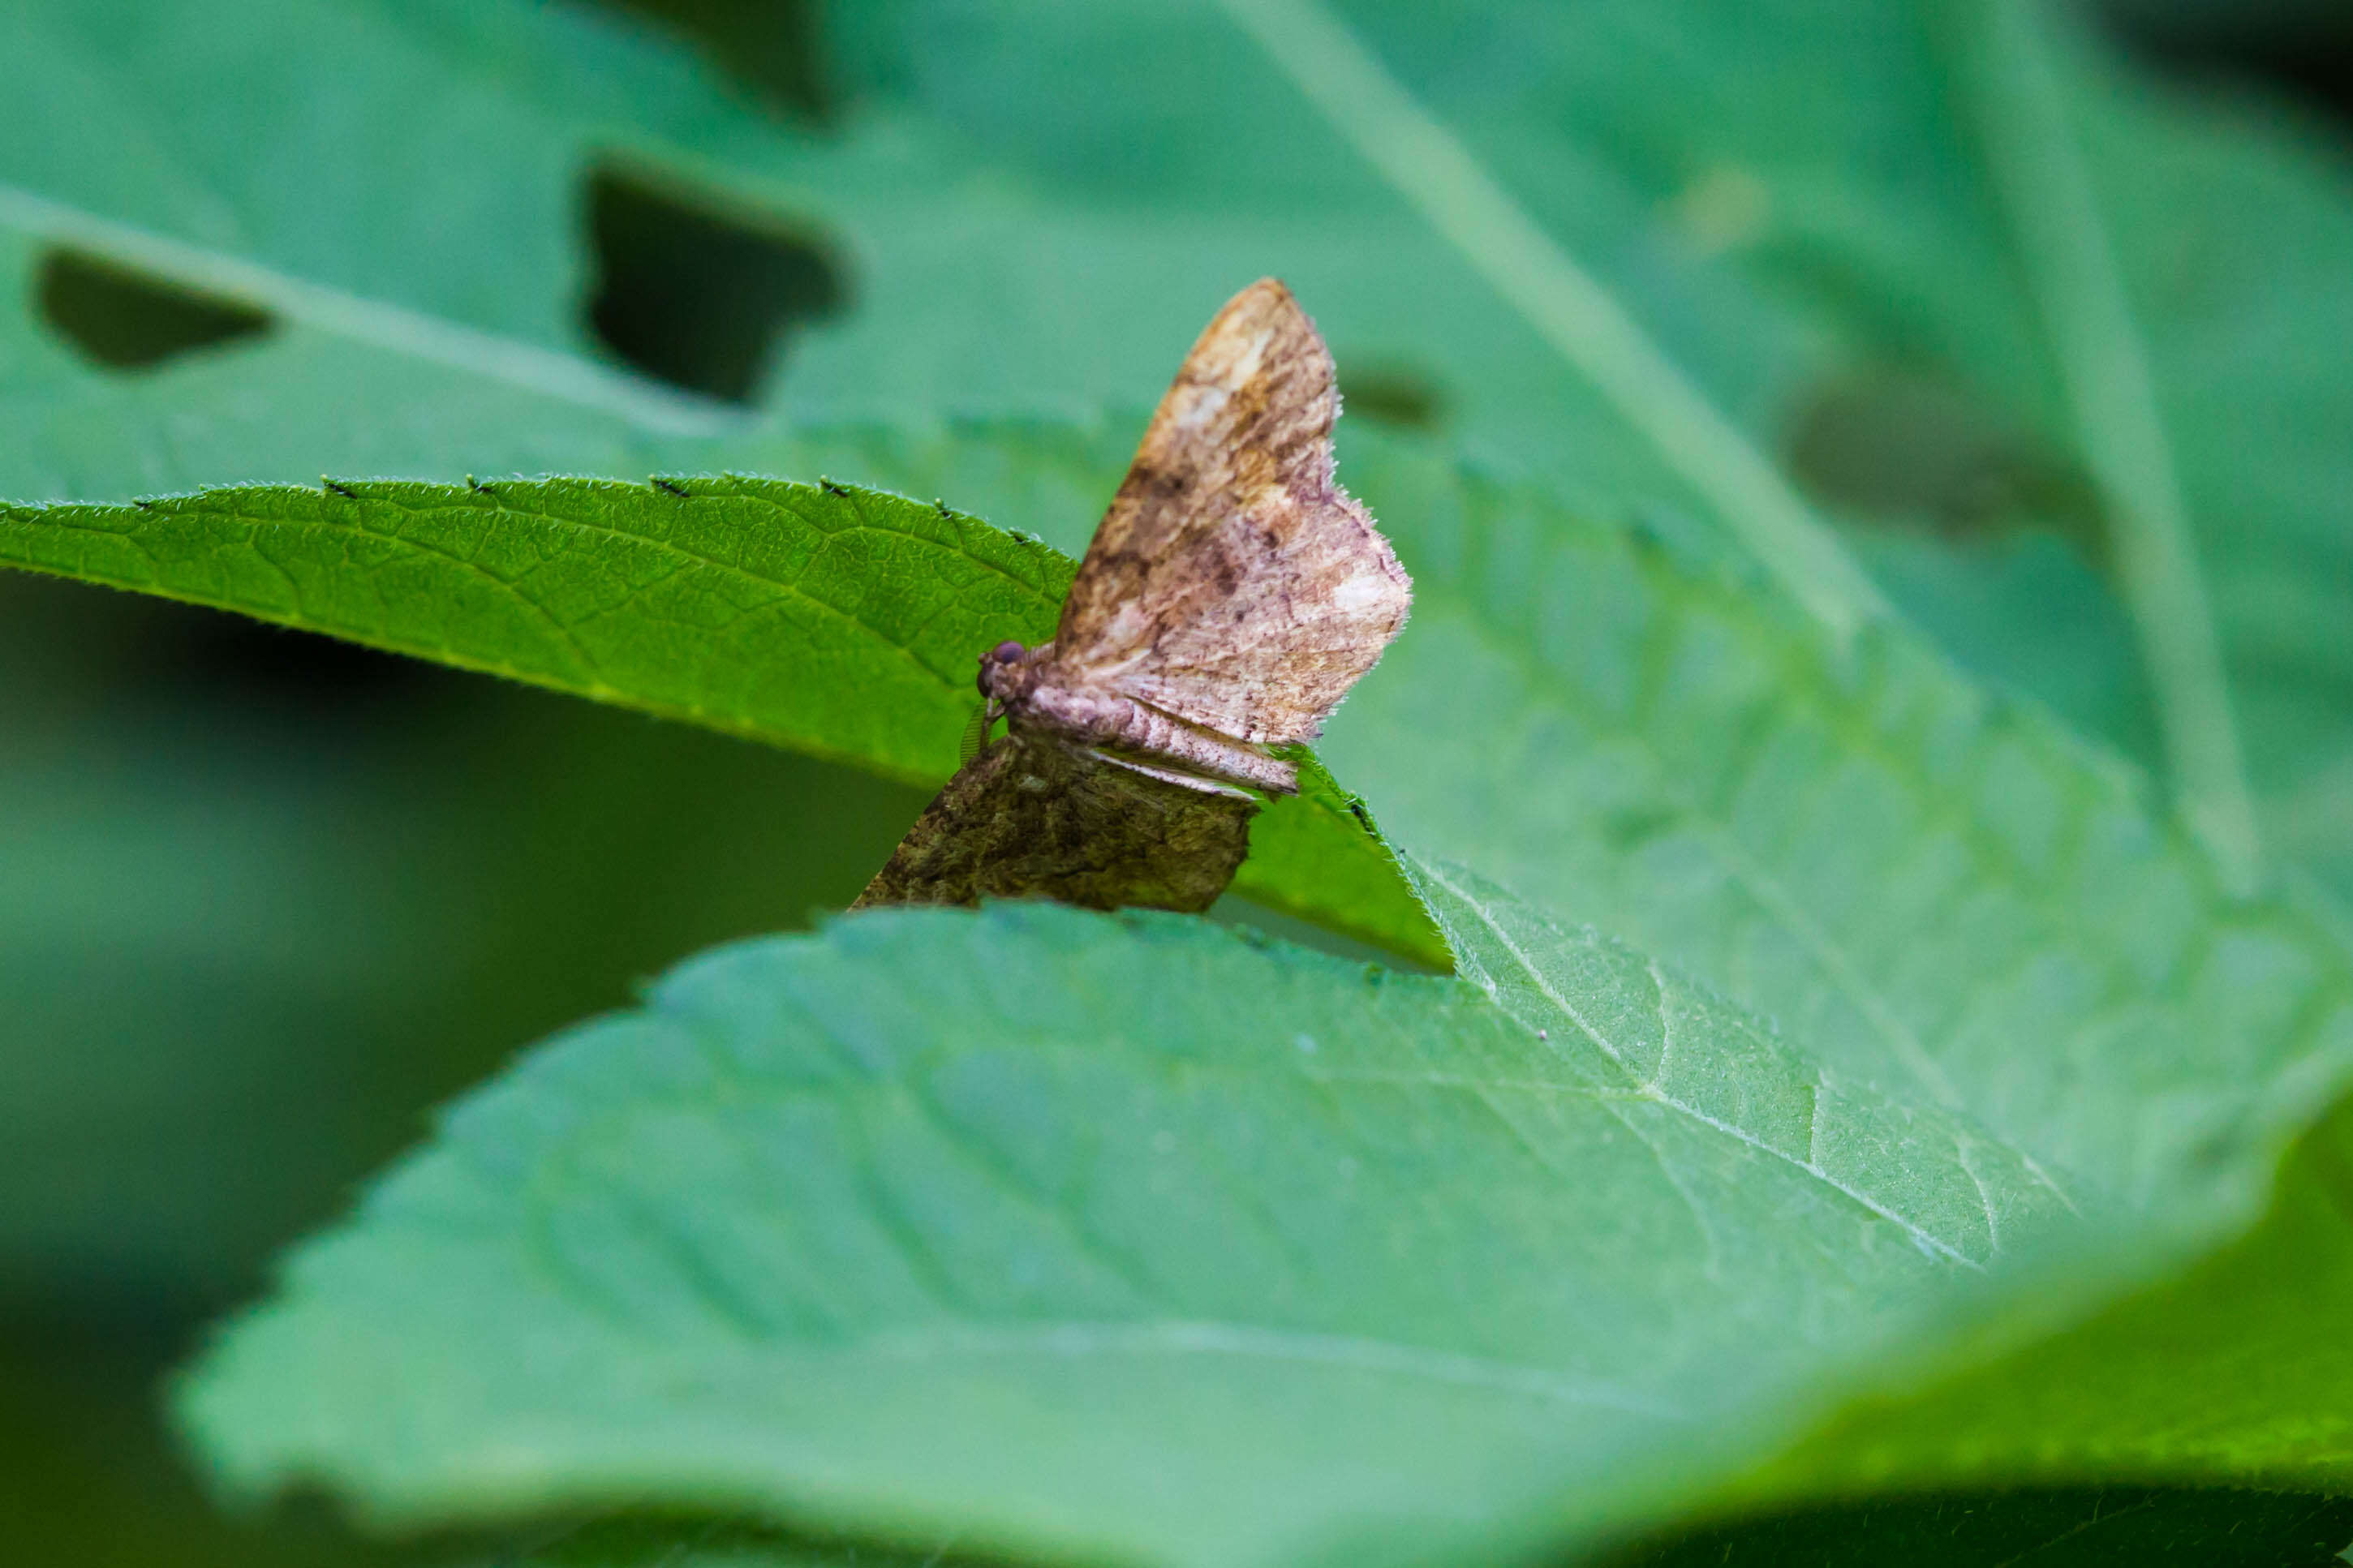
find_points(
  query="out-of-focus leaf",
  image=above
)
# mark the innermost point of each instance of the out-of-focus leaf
(164, 970)
(1911, 876)
(2227, 1370)
(1849, 161)
(248, 930)
(1917, 880)
(1121, 1236)
(841, 622)
(983, 275)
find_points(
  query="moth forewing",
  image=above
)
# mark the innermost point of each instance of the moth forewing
(1233, 584)
(1231, 596)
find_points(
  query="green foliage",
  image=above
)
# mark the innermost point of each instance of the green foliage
(1694, 190)
(2179, 1078)
(1034, 1232)
(841, 622)
(928, 1221)
(2199, 245)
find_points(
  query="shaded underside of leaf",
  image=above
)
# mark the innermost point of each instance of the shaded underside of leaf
(2112, 1527)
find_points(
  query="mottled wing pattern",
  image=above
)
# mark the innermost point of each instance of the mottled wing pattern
(1034, 816)
(1232, 583)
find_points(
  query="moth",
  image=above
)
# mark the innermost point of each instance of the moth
(1232, 595)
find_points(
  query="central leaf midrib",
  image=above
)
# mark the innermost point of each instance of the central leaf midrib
(1651, 1090)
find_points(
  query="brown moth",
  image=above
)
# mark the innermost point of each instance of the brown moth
(1231, 596)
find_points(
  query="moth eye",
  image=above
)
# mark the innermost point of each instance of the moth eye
(1006, 652)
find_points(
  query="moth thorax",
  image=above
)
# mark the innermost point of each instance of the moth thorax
(1008, 671)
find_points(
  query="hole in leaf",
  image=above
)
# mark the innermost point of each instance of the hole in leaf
(2304, 47)
(1897, 448)
(770, 45)
(1391, 394)
(697, 294)
(128, 320)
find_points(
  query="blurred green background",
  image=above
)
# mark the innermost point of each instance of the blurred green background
(265, 900)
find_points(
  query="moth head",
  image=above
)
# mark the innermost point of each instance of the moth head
(1005, 672)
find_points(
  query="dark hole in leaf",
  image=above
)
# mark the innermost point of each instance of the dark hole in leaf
(129, 319)
(2306, 48)
(697, 295)
(772, 47)
(1897, 449)
(1390, 394)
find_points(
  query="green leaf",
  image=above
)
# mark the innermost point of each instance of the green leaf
(1088, 291)
(1926, 884)
(2230, 1368)
(1707, 187)
(841, 622)
(2197, 1033)
(1915, 878)
(1937, 892)
(2164, 304)
(1939, 895)
(2134, 286)
(1122, 1236)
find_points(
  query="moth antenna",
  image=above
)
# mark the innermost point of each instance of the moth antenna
(976, 734)
(679, 491)
(344, 490)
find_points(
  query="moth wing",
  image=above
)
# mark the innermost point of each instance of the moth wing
(1034, 816)
(1232, 583)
